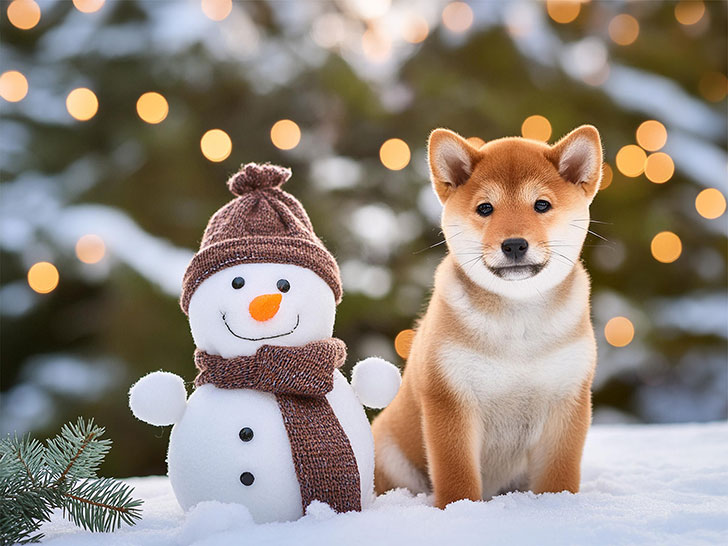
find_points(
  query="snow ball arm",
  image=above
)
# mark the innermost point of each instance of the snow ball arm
(159, 398)
(375, 382)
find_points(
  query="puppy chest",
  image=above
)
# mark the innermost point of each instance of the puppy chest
(522, 378)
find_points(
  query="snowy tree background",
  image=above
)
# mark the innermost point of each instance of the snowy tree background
(117, 204)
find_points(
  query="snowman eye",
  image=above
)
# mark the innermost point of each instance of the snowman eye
(238, 283)
(283, 285)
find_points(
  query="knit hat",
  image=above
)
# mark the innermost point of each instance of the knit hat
(263, 224)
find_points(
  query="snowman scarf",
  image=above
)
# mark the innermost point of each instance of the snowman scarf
(299, 377)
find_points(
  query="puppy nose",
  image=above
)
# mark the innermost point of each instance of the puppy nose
(514, 249)
(265, 307)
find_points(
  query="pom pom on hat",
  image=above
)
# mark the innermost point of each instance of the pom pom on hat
(254, 176)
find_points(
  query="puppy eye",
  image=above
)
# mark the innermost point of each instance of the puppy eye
(541, 205)
(484, 209)
(238, 283)
(283, 285)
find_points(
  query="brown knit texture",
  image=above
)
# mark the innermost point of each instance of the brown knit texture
(300, 378)
(263, 224)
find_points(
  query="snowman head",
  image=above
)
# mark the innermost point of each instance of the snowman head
(241, 308)
(262, 276)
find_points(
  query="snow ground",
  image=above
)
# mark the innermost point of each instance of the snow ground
(642, 484)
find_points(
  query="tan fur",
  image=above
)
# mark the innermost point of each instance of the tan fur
(496, 393)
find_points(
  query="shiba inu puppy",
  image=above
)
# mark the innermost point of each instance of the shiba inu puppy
(496, 393)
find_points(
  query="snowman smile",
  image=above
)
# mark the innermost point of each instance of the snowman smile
(298, 320)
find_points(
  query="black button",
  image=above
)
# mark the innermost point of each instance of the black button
(283, 285)
(246, 478)
(246, 434)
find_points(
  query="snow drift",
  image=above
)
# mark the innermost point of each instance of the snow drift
(658, 484)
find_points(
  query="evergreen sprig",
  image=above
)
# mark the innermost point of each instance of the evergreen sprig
(36, 479)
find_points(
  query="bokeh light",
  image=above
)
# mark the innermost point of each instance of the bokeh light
(395, 154)
(285, 134)
(43, 277)
(607, 176)
(619, 331)
(415, 29)
(651, 135)
(90, 249)
(630, 160)
(403, 343)
(88, 6)
(23, 14)
(457, 17)
(536, 128)
(217, 10)
(659, 168)
(563, 11)
(216, 145)
(666, 247)
(376, 45)
(624, 29)
(13, 86)
(713, 86)
(82, 104)
(689, 12)
(710, 203)
(152, 107)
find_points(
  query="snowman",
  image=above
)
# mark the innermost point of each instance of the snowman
(272, 423)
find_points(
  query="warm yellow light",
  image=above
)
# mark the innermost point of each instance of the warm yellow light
(216, 145)
(403, 343)
(651, 135)
(90, 249)
(624, 29)
(285, 134)
(13, 86)
(43, 277)
(607, 176)
(82, 104)
(23, 14)
(619, 331)
(415, 29)
(394, 154)
(536, 128)
(659, 168)
(713, 86)
(217, 10)
(457, 17)
(152, 107)
(563, 11)
(666, 247)
(88, 6)
(631, 160)
(689, 12)
(710, 204)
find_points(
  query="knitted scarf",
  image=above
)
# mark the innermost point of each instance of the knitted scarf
(299, 377)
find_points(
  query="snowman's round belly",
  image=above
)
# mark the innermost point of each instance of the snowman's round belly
(231, 446)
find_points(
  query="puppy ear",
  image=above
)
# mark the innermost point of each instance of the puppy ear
(578, 158)
(452, 160)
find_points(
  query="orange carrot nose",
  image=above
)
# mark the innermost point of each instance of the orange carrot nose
(265, 307)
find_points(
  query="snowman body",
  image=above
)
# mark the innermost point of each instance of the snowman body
(231, 445)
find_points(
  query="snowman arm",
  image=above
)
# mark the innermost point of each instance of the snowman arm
(375, 381)
(159, 398)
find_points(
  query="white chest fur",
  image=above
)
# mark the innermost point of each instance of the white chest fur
(515, 366)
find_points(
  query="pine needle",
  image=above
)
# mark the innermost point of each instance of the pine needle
(36, 479)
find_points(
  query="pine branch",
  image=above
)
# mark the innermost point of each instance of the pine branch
(35, 479)
(77, 452)
(101, 505)
(22, 458)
